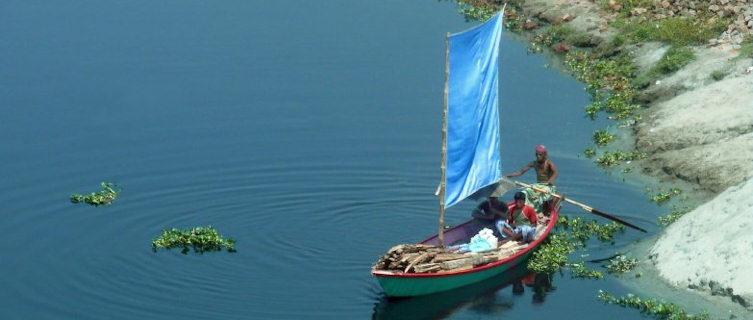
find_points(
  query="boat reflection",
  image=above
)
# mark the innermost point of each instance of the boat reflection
(482, 296)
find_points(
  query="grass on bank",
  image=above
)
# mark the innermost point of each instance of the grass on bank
(746, 48)
(674, 59)
(677, 31)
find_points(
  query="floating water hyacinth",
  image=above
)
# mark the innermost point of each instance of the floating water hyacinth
(579, 270)
(651, 307)
(201, 239)
(621, 264)
(105, 197)
(571, 236)
(676, 213)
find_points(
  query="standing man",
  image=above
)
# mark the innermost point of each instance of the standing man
(546, 173)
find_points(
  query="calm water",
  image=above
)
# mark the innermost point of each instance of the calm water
(308, 131)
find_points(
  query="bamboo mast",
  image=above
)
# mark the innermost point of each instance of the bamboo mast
(443, 177)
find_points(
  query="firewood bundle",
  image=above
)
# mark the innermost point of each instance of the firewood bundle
(420, 258)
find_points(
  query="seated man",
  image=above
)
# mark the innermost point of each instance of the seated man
(491, 209)
(521, 222)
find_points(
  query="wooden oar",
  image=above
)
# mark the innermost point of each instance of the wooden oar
(583, 206)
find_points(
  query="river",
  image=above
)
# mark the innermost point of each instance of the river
(308, 131)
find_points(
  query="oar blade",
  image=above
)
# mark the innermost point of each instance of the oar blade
(613, 218)
(583, 206)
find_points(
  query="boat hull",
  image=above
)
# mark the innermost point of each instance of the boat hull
(417, 286)
(397, 284)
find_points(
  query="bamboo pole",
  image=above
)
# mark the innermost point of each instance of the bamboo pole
(443, 177)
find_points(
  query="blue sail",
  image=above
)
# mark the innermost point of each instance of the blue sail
(473, 160)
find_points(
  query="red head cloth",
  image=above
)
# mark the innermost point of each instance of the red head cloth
(541, 149)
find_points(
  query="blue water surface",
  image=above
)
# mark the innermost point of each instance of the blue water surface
(309, 131)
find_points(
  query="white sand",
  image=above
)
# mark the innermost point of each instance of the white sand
(712, 245)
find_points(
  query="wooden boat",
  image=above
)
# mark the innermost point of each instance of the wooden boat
(401, 284)
(471, 167)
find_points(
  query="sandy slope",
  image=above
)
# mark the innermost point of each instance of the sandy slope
(711, 248)
(698, 130)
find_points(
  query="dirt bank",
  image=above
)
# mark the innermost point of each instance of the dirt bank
(697, 128)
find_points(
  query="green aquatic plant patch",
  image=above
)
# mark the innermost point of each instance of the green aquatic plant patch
(621, 264)
(552, 255)
(602, 137)
(200, 239)
(664, 195)
(477, 10)
(650, 307)
(673, 216)
(558, 33)
(482, 10)
(608, 83)
(617, 157)
(589, 152)
(104, 197)
(579, 270)
(571, 235)
(584, 230)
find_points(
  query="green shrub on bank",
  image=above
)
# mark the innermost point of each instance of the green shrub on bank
(746, 48)
(718, 75)
(200, 239)
(104, 197)
(674, 59)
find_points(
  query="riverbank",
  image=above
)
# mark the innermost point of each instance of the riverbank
(695, 128)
